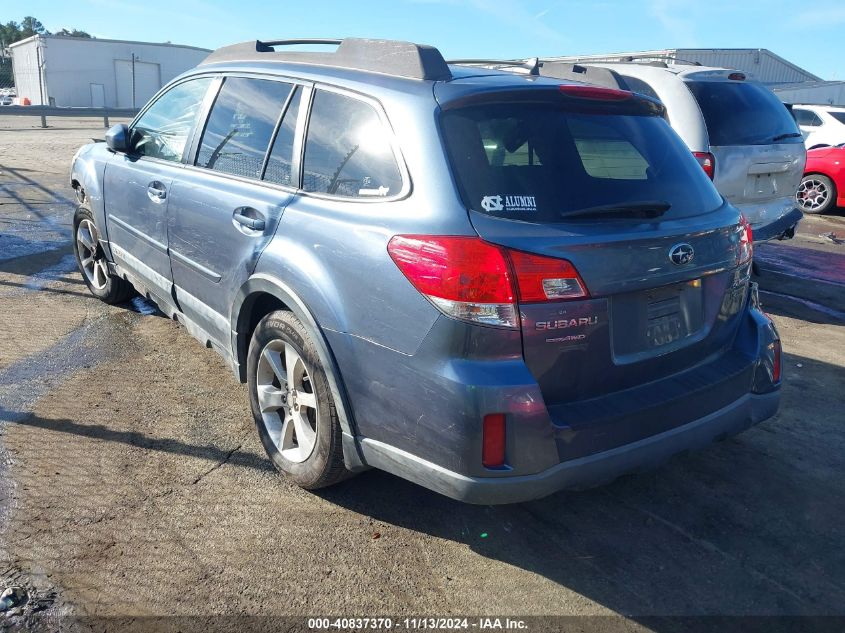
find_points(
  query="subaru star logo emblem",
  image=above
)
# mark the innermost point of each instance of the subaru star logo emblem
(681, 254)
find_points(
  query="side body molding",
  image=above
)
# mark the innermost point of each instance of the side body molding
(239, 318)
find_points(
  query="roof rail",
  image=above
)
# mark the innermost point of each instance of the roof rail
(389, 57)
(532, 64)
(656, 59)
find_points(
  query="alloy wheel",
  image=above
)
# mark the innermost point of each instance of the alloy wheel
(287, 400)
(812, 194)
(91, 258)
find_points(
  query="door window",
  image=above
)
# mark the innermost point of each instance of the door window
(163, 130)
(347, 150)
(241, 125)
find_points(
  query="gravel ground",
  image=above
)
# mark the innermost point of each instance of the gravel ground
(134, 485)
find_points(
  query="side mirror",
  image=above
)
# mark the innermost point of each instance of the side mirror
(117, 138)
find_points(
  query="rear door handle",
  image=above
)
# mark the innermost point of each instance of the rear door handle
(156, 191)
(254, 224)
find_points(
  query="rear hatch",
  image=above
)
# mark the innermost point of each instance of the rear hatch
(759, 151)
(599, 178)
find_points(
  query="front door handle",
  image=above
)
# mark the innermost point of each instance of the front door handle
(255, 224)
(156, 191)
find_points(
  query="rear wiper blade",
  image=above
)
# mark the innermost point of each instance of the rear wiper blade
(781, 137)
(646, 209)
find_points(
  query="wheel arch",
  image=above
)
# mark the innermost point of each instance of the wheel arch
(262, 294)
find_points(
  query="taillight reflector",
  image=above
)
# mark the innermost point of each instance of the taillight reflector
(737, 76)
(746, 240)
(493, 441)
(776, 348)
(707, 162)
(545, 278)
(596, 93)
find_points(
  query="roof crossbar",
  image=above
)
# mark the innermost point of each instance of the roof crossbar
(389, 57)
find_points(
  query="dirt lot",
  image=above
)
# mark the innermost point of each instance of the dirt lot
(132, 482)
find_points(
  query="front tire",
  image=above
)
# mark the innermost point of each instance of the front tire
(92, 261)
(292, 404)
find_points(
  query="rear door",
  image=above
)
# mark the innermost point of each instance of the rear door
(758, 149)
(614, 191)
(137, 184)
(225, 208)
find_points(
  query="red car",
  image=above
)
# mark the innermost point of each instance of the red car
(823, 187)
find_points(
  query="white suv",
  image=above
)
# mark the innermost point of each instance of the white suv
(821, 126)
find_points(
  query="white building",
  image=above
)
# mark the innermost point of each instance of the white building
(813, 92)
(762, 64)
(82, 72)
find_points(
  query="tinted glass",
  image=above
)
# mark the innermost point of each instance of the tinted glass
(638, 85)
(839, 116)
(347, 150)
(741, 113)
(806, 117)
(163, 129)
(279, 164)
(241, 125)
(536, 163)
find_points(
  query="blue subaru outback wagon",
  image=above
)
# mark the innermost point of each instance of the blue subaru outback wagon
(493, 284)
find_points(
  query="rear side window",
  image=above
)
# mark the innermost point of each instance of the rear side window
(742, 113)
(638, 85)
(839, 116)
(806, 117)
(541, 163)
(241, 125)
(347, 150)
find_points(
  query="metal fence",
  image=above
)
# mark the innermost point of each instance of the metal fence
(51, 111)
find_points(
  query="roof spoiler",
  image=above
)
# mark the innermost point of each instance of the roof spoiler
(389, 57)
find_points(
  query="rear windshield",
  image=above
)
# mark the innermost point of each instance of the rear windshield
(539, 163)
(740, 113)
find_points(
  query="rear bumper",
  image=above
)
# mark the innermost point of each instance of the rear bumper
(583, 472)
(783, 227)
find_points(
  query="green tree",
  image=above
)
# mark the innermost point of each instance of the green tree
(31, 26)
(72, 33)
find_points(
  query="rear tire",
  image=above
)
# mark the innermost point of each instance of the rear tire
(292, 404)
(92, 261)
(816, 194)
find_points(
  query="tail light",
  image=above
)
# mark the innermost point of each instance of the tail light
(545, 278)
(707, 162)
(746, 240)
(493, 441)
(776, 354)
(469, 279)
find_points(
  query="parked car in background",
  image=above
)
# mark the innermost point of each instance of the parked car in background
(738, 130)
(822, 126)
(6, 100)
(493, 285)
(823, 187)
